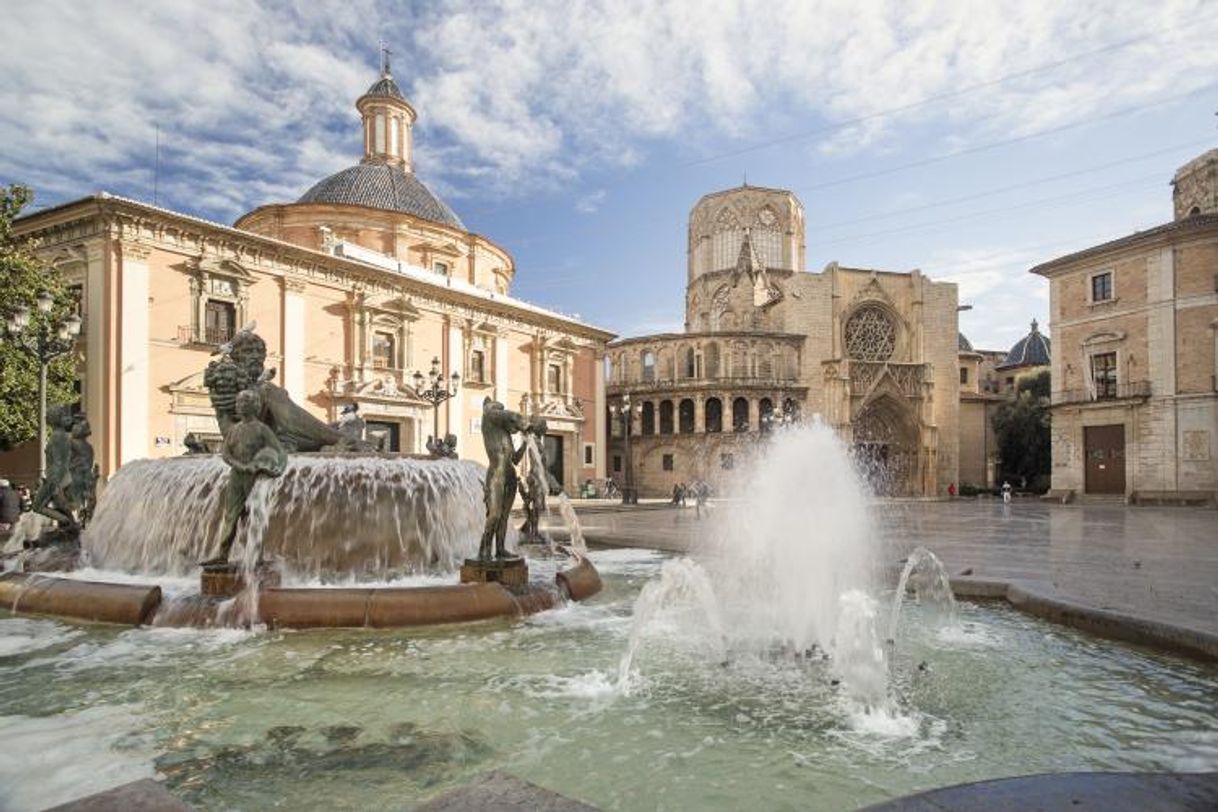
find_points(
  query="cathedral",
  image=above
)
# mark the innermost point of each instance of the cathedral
(874, 354)
(361, 288)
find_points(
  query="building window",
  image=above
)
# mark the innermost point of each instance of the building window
(685, 416)
(870, 334)
(1104, 375)
(714, 415)
(690, 361)
(554, 378)
(219, 321)
(649, 365)
(649, 417)
(740, 414)
(665, 417)
(666, 462)
(963, 374)
(477, 366)
(589, 454)
(617, 463)
(441, 268)
(383, 350)
(727, 462)
(1101, 287)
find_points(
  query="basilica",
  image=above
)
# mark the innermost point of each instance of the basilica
(874, 354)
(361, 288)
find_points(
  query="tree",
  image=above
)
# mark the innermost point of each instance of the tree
(1021, 424)
(22, 277)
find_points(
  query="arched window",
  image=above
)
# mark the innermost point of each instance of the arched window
(710, 355)
(765, 413)
(649, 366)
(790, 408)
(740, 414)
(687, 416)
(649, 417)
(665, 417)
(870, 334)
(689, 367)
(714, 415)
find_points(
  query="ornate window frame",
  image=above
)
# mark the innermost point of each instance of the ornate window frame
(221, 280)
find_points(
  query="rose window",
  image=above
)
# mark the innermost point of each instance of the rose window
(870, 335)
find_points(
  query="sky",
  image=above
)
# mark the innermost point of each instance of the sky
(971, 140)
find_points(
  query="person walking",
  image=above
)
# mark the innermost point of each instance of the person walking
(1006, 493)
(10, 506)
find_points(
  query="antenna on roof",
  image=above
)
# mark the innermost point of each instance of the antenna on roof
(156, 170)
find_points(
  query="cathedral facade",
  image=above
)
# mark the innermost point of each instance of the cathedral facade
(872, 353)
(365, 280)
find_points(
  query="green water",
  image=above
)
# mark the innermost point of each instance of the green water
(385, 719)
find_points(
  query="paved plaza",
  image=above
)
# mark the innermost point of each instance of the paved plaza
(1160, 564)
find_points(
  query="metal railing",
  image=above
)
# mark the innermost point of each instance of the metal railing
(1119, 391)
(211, 337)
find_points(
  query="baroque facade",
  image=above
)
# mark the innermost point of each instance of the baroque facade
(1135, 355)
(364, 280)
(872, 353)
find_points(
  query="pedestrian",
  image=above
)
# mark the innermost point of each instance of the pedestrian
(1006, 492)
(676, 493)
(951, 490)
(26, 499)
(10, 506)
(701, 491)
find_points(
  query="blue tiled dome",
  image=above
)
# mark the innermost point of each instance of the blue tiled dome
(385, 86)
(382, 186)
(1030, 351)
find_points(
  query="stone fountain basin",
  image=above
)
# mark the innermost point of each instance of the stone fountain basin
(294, 607)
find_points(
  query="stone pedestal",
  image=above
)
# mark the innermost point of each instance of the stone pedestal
(226, 580)
(511, 571)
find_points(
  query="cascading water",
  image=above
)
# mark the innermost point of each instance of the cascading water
(789, 567)
(368, 517)
(932, 586)
(535, 466)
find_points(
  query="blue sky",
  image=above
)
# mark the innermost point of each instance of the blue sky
(971, 140)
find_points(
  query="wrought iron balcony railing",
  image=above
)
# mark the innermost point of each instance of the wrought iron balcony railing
(1118, 391)
(210, 336)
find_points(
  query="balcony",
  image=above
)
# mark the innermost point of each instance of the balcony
(667, 384)
(204, 337)
(1128, 390)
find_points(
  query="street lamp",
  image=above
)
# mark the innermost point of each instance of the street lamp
(437, 391)
(623, 413)
(43, 340)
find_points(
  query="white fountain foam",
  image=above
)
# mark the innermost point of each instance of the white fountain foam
(374, 517)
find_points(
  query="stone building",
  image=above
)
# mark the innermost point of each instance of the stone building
(872, 353)
(1135, 361)
(354, 287)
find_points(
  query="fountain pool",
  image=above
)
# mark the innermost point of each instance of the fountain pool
(356, 719)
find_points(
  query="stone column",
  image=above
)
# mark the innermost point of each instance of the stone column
(293, 341)
(500, 370)
(133, 394)
(456, 341)
(600, 445)
(699, 414)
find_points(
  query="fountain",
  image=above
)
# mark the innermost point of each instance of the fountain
(298, 523)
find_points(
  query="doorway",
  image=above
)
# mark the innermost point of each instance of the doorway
(1105, 454)
(383, 434)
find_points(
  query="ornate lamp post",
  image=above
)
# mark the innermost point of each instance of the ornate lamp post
(622, 411)
(437, 391)
(44, 340)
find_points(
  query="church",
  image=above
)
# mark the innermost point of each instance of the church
(872, 353)
(366, 280)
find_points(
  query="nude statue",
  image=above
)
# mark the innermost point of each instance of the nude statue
(54, 497)
(243, 367)
(538, 483)
(251, 450)
(498, 426)
(83, 472)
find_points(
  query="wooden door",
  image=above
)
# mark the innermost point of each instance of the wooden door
(1105, 454)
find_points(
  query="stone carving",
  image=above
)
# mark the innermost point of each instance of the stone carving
(193, 444)
(350, 424)
(443, 449)
(870, 335)
(498, 426)
(251, 450)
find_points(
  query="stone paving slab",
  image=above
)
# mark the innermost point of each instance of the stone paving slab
(1156, 564)
(1070, 792)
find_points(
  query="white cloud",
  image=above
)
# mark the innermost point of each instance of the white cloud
(520, 95)
(590, 203)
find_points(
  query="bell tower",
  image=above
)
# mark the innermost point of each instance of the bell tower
(1195, 186)
(388, 121)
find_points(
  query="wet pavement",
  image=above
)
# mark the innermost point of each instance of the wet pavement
(1155, 563)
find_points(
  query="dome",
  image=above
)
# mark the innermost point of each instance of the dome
(963, 344)
(385, 86)
(1030, 351)
(382, 186)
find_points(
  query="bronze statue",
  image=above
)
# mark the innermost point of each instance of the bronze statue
(194, 445)
(54, 497)
(251, 450)
(241, 367)
(444, 449)
(538, 483)
(83, 472)
(498, 426)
